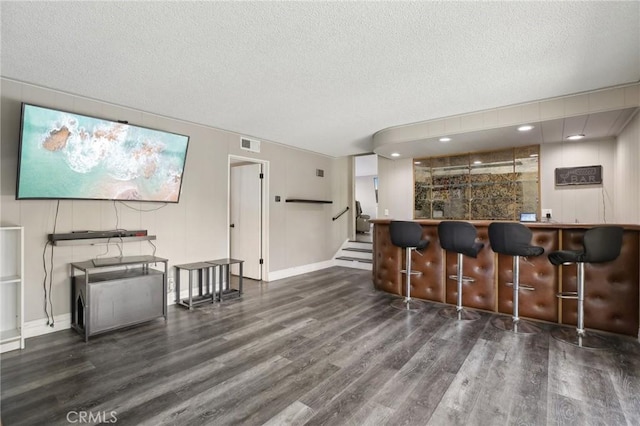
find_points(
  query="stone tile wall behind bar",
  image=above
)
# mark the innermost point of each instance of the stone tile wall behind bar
(486, 185)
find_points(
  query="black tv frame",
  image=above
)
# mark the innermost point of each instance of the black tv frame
(20, 160)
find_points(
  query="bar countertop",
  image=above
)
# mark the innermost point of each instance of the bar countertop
(551, 224)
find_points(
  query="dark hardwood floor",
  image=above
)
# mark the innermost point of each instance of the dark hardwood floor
(320, 348)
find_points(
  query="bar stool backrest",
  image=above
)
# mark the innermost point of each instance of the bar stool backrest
(459, 237)
(602, 244)
(513, 239)
(405, 233)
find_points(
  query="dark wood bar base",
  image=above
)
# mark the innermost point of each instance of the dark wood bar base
(612, 301)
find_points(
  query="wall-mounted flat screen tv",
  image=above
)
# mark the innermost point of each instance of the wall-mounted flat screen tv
(65, 155)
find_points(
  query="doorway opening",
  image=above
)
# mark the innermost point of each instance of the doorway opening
(247, 216)
(366, 195)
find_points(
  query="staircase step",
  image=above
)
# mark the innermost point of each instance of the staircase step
(354, 259)
(358, 244)
(355, 254)
(359, 250)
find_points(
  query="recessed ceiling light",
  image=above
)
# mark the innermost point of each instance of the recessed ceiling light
(395, 154)
(444, 139)
(533, 155)
(575, 137)
(477, 162)
(525, 128)
(416, 162)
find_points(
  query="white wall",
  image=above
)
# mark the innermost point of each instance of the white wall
(627, 174)
(192, 230)
(579, 204)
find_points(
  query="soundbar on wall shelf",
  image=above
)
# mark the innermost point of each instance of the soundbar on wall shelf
(87, 235)
(99, 237)
(110, 240)
(301, 200)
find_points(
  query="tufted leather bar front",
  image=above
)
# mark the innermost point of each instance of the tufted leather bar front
(537, 272)
(612, 301)
(480, 294)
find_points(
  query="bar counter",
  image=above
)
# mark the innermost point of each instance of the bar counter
(612, 297)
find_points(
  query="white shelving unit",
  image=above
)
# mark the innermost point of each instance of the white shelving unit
(11, 288)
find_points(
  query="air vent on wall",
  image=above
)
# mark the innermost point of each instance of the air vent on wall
(250, 144)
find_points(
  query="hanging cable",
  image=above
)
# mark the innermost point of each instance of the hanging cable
(55, 224)
(115, 207)
(48, 304)
(106, 252)
(121, 242)
(154, 247)
(142, 210)
(44, 281)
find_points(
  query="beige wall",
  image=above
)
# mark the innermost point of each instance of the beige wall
(194, 229)
(395, 189)
(342, 185)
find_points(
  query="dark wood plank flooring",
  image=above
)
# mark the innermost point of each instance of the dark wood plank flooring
(320, 348)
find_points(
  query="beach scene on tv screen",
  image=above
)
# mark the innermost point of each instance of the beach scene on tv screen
(65, 155)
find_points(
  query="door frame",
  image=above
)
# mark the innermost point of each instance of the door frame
(265, 209)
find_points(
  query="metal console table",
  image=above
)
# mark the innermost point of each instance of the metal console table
(117, 292)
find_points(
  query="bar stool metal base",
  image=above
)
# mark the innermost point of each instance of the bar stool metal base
(465, 279)
(571, 336)
(518, 327)
(451, 312)
(406, 304)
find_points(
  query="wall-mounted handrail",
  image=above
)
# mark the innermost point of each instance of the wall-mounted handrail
(346, 209)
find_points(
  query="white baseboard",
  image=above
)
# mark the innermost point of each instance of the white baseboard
(40, 327)
(9, 346)
(291, 272)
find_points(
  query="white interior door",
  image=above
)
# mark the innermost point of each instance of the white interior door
(246, 218)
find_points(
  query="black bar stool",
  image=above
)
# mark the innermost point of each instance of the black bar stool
(514, 239)
(600, 244)
(459, 237)
(407, 235)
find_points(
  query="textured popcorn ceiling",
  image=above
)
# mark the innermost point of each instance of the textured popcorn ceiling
(319, 76)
